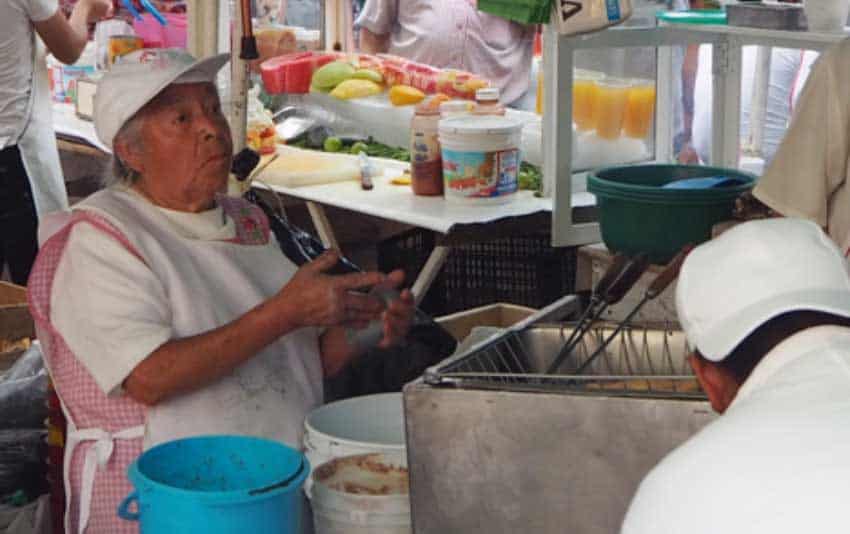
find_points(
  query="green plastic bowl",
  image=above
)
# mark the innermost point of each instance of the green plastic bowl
(637, 216)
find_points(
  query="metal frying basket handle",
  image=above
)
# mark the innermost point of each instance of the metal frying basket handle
(554, 312)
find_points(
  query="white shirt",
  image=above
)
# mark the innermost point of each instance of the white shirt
(454, 34)
(98, 272)
(114, 309)
(808, 175)
(17, 38)
(776, 462)
(787, 76)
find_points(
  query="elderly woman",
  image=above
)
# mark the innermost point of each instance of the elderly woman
(167, 310)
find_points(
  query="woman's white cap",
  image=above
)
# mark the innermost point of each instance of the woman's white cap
(138, 77)
(754, 272)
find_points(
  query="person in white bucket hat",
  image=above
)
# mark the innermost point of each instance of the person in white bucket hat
(167, 310)
(765, 308)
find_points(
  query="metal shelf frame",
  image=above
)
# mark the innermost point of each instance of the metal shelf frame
(558, 61)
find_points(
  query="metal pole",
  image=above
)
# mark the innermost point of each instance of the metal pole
(202, 16)
(238, 85)
(758, 103)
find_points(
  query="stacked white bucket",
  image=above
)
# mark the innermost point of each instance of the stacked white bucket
(362, 425)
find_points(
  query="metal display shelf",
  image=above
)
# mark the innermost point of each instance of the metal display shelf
(727, 41)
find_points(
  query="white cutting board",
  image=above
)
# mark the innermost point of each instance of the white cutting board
(297, 167)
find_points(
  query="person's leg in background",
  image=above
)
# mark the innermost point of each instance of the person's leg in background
(18, 219)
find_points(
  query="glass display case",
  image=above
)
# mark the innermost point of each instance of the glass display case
(606, 116)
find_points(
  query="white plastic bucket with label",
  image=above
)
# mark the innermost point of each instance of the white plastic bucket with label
(361, 425)
(364, 494)
(481, 158)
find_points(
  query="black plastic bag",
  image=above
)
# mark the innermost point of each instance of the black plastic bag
(23, 392)
(22, 462)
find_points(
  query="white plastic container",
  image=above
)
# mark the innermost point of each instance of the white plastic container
(572, 17)
(826, 15)
(366, 494)
(481, 159)
(362, 425)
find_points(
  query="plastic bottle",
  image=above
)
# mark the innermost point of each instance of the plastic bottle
(426, 164)
(487, 102)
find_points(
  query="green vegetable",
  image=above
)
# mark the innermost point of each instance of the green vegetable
(333, 144)
(530, 177)
(359, 147)
(373, 149)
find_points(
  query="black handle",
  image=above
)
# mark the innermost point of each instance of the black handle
(670, 273)
(618, 263)
(627, 279)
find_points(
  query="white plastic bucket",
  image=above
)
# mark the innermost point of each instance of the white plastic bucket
(337, 511)
(362, 425)
(481, 158)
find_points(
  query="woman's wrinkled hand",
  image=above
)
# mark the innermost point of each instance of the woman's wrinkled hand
(398, 317)
(98, 10)
(315, 298)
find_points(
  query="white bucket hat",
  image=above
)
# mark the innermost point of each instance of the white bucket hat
(138, 77)
(755, 272)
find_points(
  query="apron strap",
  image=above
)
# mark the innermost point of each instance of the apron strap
(97, 455)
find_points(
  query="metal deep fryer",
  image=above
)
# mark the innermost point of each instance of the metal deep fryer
(496, 445)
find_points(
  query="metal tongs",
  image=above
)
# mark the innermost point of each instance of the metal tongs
(301, 247)
(619, 278)
(656, 288)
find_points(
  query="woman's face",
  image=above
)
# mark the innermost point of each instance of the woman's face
(186, 148)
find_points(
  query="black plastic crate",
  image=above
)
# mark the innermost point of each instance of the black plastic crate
(524, 270)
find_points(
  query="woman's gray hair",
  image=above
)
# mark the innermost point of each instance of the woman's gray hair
(119, 173)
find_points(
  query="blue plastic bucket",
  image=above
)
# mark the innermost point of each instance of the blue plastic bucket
(217, 485)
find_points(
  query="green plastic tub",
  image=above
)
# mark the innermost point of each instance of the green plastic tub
(637, 216)
(694, 16)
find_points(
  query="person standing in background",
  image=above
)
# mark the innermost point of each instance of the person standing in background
(31, 181)
(451, 34)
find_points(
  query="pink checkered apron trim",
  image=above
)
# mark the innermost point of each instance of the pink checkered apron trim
(108, 429)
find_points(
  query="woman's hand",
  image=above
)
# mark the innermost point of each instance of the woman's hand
(398, 317)
(314, 298)
(97, 10)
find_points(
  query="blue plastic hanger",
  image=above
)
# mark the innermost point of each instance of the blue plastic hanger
(154, 11)
(132, 9)
(148, 6)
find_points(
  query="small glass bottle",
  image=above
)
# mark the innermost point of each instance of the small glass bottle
(487, 102)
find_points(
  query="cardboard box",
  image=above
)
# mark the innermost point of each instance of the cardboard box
(15, 321)
(460, 324)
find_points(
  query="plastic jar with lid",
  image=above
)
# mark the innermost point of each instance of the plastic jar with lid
(426, 164)
(455, 108)
(487, 102)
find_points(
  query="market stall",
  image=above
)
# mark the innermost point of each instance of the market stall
(545, 424)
